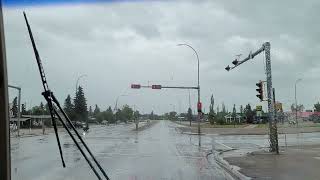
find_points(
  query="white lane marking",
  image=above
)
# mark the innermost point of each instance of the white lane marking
(223, 145)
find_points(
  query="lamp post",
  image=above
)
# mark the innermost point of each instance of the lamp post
(295, 98)
(199, 111)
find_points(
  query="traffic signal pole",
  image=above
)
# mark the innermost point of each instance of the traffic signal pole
(272, 123)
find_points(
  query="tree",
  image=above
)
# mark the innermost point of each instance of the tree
(109, 115)
(300, 107)
(69, 107)
(151, 115)
(15, 107)
(189, 115)
(211, 110)
(80, 105)
(46, 109)
(172, 115)
(41, 106)
(317, 107)
(90, 111)
(96, 111)
(241, 112)
(23, 109)
(136, 115)
(127, 113)
(249, 114)
(224, 108)
(234, 114)
(37, 110)
(234, 111)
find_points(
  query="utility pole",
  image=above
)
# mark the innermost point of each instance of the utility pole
(295, 99)
(190, 108)
(275, 115)
(272, 124)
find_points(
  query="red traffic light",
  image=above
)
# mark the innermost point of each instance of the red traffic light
(199, 106)
(135, 86)
(156, 86)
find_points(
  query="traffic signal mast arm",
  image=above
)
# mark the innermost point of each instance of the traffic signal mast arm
(138, 86)
(250, 56)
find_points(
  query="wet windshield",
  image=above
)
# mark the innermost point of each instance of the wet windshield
(145, 90)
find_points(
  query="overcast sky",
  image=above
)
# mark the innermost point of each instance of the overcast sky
(119, 43)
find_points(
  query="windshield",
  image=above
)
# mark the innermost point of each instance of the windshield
(145, 90)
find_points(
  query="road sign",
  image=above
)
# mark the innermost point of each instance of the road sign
(156, 86)
(258, 108)
(135, 86)
(278, 106)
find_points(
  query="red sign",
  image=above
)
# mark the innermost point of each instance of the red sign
(156, 86)
(135, 86)
(199, 105)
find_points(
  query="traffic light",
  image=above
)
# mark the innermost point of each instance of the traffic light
(135, 86)
(199, 106)
(227, 68)
(260, 90)
(156, 86)
(235, 62)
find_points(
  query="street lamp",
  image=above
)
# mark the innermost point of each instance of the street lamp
(81, 76)
(295, 97)
(199, 103)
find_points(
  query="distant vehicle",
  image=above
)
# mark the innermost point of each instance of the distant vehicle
(314, 118)
(76, 124)
(292, 122)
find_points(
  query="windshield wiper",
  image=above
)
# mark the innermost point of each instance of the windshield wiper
(54, 107)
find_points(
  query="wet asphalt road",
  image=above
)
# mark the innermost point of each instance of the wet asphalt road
(159, 152)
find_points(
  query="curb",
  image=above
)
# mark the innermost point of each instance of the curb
(225, 165)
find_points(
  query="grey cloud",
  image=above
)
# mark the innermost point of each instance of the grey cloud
(120, 43)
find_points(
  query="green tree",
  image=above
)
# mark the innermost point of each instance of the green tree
(15, 107)
(68, 107)
(80, 105)
(46, 109)
(136, 115)
(173, 115)
(118, 116)
(224, 108)
(23, 109)
(90, 111)
(127, 113)
(211, 110)
(234, 114)
(189, 114)
(41, 106)
(109, 115)
(37, 110)
(300, 107)
(96, 111)
(151, 116)
(241, 112)
(317, 107)
(249, 114)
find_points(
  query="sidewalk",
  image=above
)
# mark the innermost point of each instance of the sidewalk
(298, 163)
